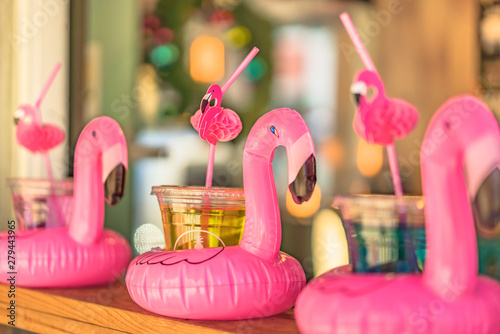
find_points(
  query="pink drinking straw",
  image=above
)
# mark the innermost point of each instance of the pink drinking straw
(367, 61)
(240, 69)
(358, 43)
(47, 85)
(229, 82)
(38, 117)
(210, 166)
(46, 158)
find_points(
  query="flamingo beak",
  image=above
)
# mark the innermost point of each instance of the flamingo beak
(205, 102)
(18, 115)
(305, 181)
(358, 89)
(114, 164)
(114, 186)
(357, 99)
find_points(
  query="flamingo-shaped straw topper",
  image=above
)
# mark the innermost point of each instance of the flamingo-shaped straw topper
(252, 279)
(81, 253)
(215, 123)
(31, 132)
(37, 137)
(449, 297)
(380, 120)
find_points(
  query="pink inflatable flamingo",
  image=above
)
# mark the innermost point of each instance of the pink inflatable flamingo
(81, 253)
(449, 297)
(380, 120)
(253, 279)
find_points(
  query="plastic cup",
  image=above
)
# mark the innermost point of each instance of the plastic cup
(199, 217)
(377, 243)
(378, 230)
(37, 201)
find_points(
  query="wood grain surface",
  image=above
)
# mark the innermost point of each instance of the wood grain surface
(109, 309)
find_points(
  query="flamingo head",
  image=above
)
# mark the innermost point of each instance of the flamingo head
(214, 92)
(103, 138)
(25, 113)
(285, 127)
(364, 82)
(467, 129)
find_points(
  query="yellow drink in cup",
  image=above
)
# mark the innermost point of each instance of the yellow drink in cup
(199, 217)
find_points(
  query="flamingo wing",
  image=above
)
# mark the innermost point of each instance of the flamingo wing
(217, 124)
(226, 125)
(170, 258)
(39, 139)
(389, 121)
(52, 136)
(404, 119)
(195, 120)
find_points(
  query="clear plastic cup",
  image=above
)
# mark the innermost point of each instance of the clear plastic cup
(199, 217)
(383, 234)
(38, 203)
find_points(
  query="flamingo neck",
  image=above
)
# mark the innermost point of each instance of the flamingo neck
(262, 233)
(451, 264)
(378, 99)
(380, 91)
(36, 119)
(87, 216)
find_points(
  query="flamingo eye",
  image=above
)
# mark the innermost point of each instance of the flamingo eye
(274, 131)
(94, 134)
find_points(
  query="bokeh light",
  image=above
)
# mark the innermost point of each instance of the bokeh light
(238, 36)
(329, 242)
(306, 209)
(332, 151)
(222, 17)
(151, 22)
(256, 69)
(369, 158)
(206, 59)
(164, 36)
(164, 55)
(147, 87)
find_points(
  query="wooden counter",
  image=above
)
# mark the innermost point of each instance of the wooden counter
(109, 309)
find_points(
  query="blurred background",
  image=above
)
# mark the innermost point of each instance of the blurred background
(148, 63)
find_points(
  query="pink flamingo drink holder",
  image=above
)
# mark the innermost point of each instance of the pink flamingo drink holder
(80, 253)
(460, 148)
(253, 279)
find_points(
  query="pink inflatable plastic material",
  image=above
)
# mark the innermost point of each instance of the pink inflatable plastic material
(460, 148)
(253, 279)
(81, 253)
